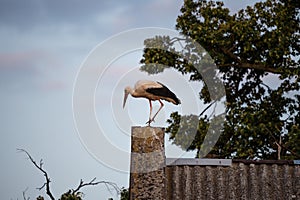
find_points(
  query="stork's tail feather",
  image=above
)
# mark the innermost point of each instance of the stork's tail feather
(177, 101)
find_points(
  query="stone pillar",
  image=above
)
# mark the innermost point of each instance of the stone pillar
(147, 177)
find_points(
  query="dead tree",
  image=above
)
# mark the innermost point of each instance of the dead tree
(75, 191)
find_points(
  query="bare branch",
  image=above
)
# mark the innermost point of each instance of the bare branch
(46, 185)
(92, 182)
(214, 110)
(207, 107)
(177, 39)
(40, 167)
(41, 163)
(24, 194)
(40, 188)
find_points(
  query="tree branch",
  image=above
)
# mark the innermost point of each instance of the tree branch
(260, 67)
(207, 107)
(92, 182)
(281, 145)
(40, 167)
(24, 194)
(80, 186)
(177, 39)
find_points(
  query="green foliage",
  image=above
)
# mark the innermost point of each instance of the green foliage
(124, 194)
(187, 131)
(71, 196)
(249, 47)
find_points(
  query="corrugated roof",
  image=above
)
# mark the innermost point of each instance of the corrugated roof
(244, 179)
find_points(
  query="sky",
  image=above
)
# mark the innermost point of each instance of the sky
(46, 46)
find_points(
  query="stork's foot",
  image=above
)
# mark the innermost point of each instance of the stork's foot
(150, 120)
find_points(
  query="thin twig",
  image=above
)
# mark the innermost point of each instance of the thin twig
(177, 39)
(214, 110)
(24, 194)
(207, 107)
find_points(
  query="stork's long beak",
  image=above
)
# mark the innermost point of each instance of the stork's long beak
(125, 98)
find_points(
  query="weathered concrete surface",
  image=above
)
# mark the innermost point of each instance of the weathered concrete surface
(147, 177)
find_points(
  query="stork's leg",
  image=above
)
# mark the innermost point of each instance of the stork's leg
(161, 106)
(148, 122)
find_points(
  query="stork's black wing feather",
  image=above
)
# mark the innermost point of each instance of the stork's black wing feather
(163, 92)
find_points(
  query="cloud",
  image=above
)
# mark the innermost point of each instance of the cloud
(19, 13)
(114, 18)
(18, 61)
(156, 13)
(17, 71)
(53, 85)
(29, 70)
(30, 13)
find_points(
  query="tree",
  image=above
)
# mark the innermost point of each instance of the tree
(249, 47)
(124, 194)
(72, 194)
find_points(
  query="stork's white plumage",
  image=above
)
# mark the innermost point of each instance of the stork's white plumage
(152, 91)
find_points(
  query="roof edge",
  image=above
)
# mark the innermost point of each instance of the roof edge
(225, 162)
(270, 162)
(198, 161)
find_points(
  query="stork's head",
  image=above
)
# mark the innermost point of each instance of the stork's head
(126, 93)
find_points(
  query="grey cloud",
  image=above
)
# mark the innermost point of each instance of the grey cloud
(30, 13)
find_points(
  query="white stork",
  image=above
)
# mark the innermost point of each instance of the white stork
(152, 91)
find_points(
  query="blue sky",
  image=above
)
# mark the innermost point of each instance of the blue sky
(43, 47)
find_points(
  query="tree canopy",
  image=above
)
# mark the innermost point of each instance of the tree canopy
(250, 47)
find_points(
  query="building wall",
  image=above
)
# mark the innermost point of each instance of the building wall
(241, 180)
